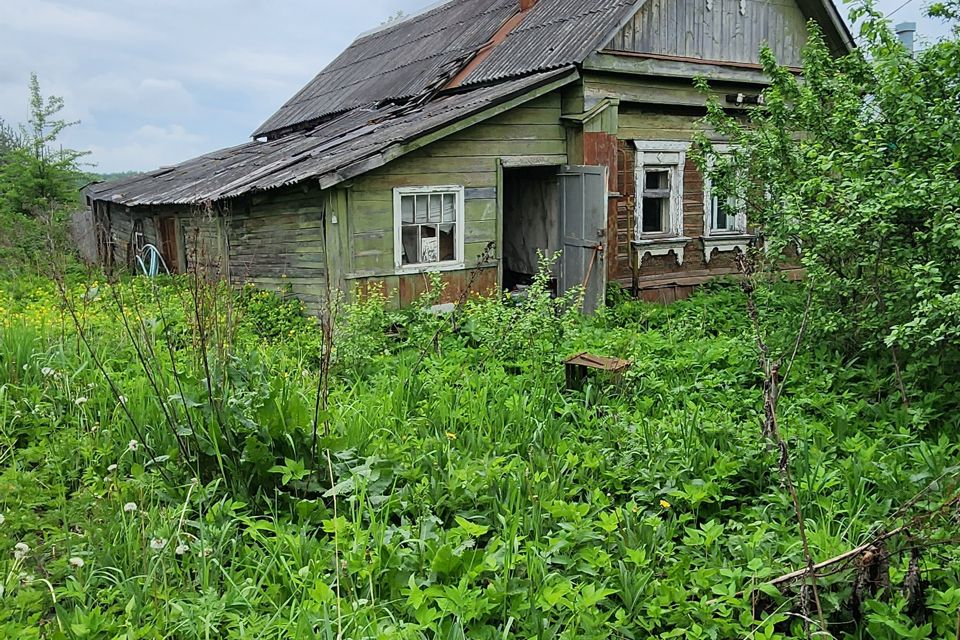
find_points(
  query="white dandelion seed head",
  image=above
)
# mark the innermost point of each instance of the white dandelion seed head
(130, 507)
(158, 544)
(80, 401)
(76, 563)
(20, 551)
(181, 549)
(133, 446)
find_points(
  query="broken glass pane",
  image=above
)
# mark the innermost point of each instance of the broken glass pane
(447, 242)
(411, 241)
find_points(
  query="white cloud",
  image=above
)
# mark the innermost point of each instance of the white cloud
(157, 82)
(54, 19)
(148, 147)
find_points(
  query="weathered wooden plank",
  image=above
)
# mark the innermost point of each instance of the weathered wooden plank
(480, 193)
(497, 148)
(421, 164)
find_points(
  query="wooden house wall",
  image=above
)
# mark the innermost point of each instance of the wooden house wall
(719, 30)
(641, 123)
(272, 240)
(122, 222)
(469, 158)
(275, 240)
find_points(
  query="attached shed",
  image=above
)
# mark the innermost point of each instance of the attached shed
(467, 139)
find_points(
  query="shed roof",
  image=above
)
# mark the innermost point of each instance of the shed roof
(329, 149)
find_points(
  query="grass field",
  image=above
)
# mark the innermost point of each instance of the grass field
(165, 473)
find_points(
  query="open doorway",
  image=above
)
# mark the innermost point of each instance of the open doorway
(531, 223)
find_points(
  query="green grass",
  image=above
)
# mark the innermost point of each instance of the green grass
(472, 496)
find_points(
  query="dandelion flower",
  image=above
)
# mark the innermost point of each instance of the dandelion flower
(80, 401)
(20, 551)
(181, 549)
(451, 436)
(158, 544)
(133, 446)
(76, 563)
(665, 504)
(130, 507)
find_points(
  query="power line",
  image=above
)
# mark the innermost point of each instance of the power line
(890, 15)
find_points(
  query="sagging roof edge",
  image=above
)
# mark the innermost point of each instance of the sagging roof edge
(391, 151)
(396, 151)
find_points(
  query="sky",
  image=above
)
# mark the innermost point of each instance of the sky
(156, 82)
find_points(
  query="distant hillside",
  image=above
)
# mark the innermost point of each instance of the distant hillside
(106, 177)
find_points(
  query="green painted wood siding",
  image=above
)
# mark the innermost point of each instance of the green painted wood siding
(468, 158)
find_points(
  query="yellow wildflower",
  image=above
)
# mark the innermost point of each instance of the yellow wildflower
(665, 504)
(451, 436)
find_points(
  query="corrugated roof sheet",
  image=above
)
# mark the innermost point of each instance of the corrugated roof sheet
(555, 33)
(422, 53)
(397, 62)
(346, 139)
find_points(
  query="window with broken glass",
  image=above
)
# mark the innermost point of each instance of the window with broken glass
(429, 226)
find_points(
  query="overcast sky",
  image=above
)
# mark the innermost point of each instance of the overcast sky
(155, 82)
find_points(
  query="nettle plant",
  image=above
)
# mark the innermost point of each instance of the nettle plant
(852, 171)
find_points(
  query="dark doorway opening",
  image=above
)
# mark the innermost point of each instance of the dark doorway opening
(531, 223)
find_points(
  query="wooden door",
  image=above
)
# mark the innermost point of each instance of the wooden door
(583, 217)
(169, 243)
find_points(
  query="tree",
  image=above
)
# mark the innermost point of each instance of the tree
(38, 176)
(853, 171)
(10, 140)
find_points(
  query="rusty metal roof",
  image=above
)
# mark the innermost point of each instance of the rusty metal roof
(418, 55)
(346, 144)
(555, 33)
(396, 62)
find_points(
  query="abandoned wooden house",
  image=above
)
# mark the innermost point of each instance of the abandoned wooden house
(525, 126)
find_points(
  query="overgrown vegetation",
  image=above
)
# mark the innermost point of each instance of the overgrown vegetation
(182, 460)
(476, 497)
(857, 168)
(40, 184)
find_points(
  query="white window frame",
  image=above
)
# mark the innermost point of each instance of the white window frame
(722, 240)
(459, 228)
(711, 203)
(671, 156)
